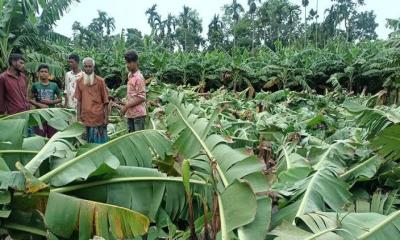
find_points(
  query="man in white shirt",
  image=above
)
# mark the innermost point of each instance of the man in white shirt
(71, 78)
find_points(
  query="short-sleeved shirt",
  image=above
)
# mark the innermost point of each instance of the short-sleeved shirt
(70, 86)
(92, 99)
(136, 87)
(13, 93)
(47, 91)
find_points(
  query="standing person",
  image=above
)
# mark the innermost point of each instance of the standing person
(135, 108)
(70, 81)
(92, 103)
(13, 89)
(45, 94)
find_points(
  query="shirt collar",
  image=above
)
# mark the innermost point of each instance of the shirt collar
(135, 74)
(9, 73)
(77, 74)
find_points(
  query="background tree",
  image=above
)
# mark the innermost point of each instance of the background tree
(154, 20)
(313, 28)
(215, 34)
(134, 39)
(252, 10)
(363, 26)
(344, 10)
(305, 5)
(98, 31)
(170, 25)
(280, 20)
(27, 26)
(393, 24)
(107, 22)
(232, 15)
(188, 30)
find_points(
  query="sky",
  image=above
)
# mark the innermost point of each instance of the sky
(131, 13)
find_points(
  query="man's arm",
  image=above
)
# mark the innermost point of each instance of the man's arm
(117, 105)
(67, 90)
(106, 114)
(138, 98)
(104, 95)
(58, 96)
(134, 102)
(2, 97)
(78, 111)
(32, 99)
(78, 96)
(52, 102)
(55, 101)
(37, 104)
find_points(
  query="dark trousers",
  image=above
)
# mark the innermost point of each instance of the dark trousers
(136, 124)
(47, 130)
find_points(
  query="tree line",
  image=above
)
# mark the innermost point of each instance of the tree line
(260, 23)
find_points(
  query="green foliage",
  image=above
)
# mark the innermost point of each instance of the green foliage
(242, 142)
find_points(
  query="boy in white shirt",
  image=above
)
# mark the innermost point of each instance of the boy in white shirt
(71, 78)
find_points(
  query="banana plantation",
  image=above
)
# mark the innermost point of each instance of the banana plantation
(271, 127)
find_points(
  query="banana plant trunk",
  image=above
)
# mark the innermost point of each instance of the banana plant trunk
(191, 217)
(215, 225)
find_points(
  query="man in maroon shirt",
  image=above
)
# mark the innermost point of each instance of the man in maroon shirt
(13, 90)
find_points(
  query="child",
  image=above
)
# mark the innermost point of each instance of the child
(45, 94)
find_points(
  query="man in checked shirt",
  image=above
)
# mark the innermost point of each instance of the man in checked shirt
(135, 107)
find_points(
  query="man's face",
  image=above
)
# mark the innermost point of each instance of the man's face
(19, 65)
(44, 74)
(88, 67)
(131, 66)
(73, 64)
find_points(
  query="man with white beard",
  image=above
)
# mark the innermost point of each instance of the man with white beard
(92, 103)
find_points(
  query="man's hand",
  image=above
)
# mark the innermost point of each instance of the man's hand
(123, 110)
(46, 101)
(41, 105)
(116, 105)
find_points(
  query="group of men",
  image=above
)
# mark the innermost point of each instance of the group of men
(84, 91)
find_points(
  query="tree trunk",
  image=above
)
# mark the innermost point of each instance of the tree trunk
(350, 87)
(191, 217)
(253, 33)
(347, 28)
(265, 36)
(305, 26)
(234, 35)
(205, 211)
(215, 225)
(185, 44)
(364, 91)
(336, 23)
(316, 27)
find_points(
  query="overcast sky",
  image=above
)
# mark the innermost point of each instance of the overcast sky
(131, 13)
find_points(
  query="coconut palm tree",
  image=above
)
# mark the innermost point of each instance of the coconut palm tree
(234, 10)
(252, 10)
(305, 4)
(153, 18)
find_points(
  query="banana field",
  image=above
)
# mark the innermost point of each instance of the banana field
(267, 125)
(341, 66)
(281, 165)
